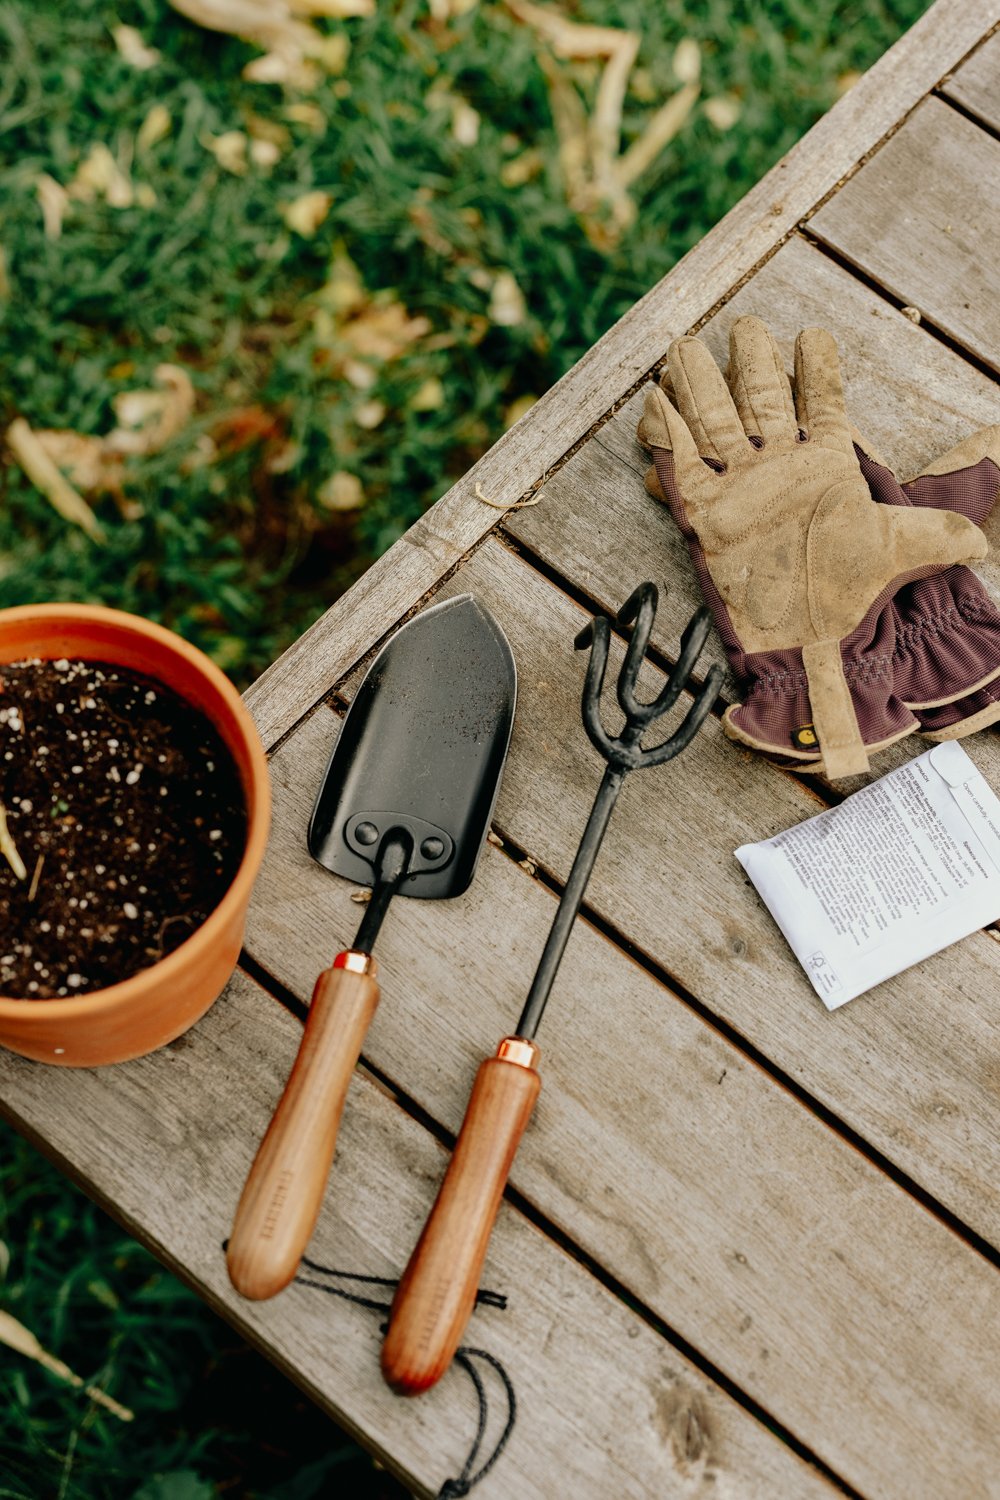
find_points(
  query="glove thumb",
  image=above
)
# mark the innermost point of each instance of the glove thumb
(966, 479)
(916, 542)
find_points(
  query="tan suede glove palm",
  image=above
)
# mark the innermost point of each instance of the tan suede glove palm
(794, 559)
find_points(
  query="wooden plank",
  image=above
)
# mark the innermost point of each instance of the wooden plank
(701, 1185)
(976, 85)
(922, 217)
(751, 231)
(166, 1143)
(597, 527)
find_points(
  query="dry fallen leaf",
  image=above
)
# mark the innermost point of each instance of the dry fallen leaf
(370, 414)
(429, 396)
(46, 476)
(464, 123)
(444, 10)
(360, 375)
(99, 175)
(342, 491)
(54, 202)
(342, 10)
(507, 307)
(260, 128)
(516, 410)
(229, 150)
(343, 289)
(84, 459)
(304, 215)
(61, 463)
(596, 173)
(309, 115)
(134, 50)
(687, 61)
(521, 169)
(154, 127)
(723, 111)
(384, 330)
(148, 419)
(659, 131)
(264, 154)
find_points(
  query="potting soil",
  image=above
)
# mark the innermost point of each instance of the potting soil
(125, 824)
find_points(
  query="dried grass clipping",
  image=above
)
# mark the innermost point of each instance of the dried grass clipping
(23, 1341)
(596, 172)
(294, 52)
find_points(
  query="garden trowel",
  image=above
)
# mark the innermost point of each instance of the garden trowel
(404, 807)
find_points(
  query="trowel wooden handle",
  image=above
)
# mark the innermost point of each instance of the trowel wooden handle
(436, 1296)
(281, 1200)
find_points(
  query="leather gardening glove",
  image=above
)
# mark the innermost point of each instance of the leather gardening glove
(946, 664)
(796, 563)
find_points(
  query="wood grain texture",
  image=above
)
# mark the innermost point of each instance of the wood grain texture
(702, 1186)
(751, 231)
(922, 219)
(281, 1200)
(437, 1291)
(976, 84)
(596, 525)
(606, 1407)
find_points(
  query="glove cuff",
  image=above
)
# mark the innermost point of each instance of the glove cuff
(953, 721)
(947, 639)
(776, 715)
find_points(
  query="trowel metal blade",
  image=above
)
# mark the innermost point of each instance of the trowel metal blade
(423, 747)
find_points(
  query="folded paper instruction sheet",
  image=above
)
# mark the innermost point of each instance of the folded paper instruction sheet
(896, 872)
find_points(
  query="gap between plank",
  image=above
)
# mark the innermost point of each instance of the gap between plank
(878, 289)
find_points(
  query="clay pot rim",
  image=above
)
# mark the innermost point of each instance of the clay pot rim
(258, 800)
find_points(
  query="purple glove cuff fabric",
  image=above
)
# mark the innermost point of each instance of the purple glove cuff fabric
(947, 638)
(776, 714)
(947, 627)
(953, 721)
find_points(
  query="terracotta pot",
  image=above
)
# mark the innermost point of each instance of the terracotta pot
(157, 1004)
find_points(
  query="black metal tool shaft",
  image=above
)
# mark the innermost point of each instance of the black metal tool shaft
(623, 754)
(390, 872)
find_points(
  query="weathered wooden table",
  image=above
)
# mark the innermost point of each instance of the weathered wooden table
(750, 1247)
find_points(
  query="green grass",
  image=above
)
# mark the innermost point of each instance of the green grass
(239, 557)
(212, 1417)
(232, 533)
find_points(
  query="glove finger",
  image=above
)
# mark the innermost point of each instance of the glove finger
(760, 387)
(965, 479)
(704, 402)
(678, 464)
(819, 390)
